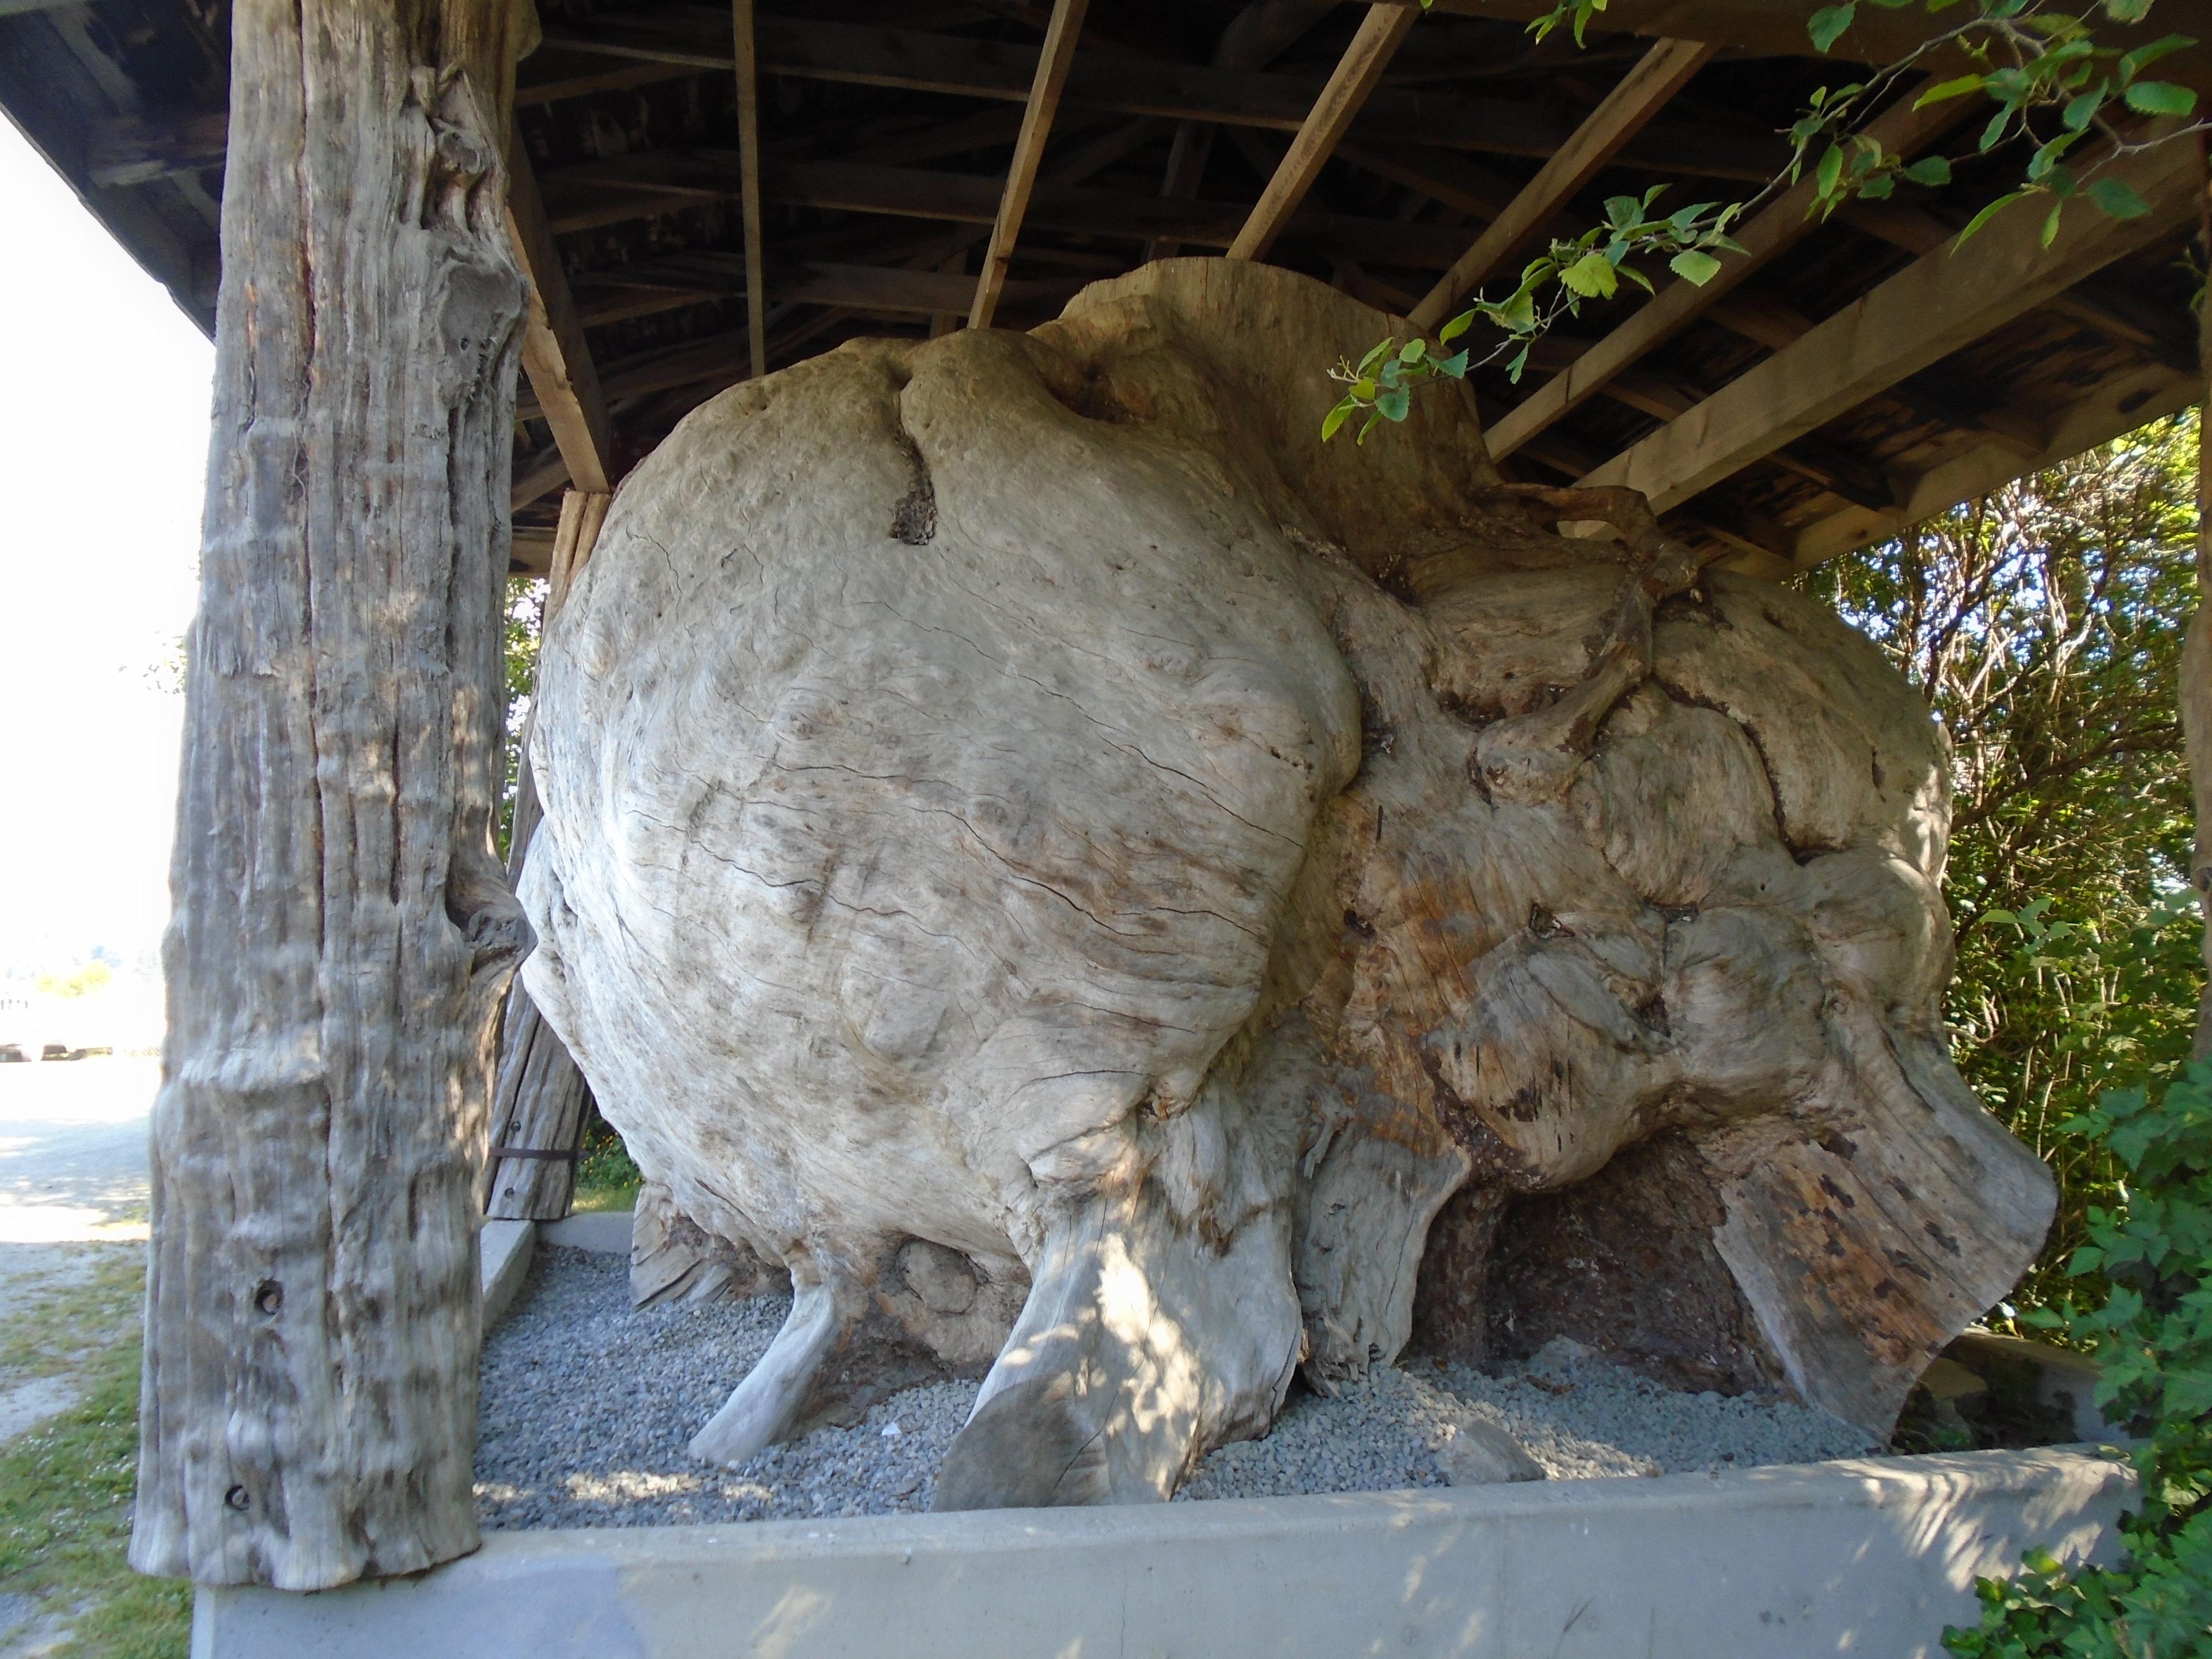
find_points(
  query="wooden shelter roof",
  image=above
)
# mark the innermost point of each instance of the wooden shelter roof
(1848, 378)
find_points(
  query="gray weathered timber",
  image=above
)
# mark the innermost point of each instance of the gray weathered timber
(342, 930)
(541, 1100)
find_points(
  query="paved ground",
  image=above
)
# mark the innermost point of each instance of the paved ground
(72, 1174)
(73, 1150)
(72, 1199)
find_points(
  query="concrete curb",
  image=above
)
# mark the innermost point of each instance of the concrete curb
(1871, 1556)
(606, 1231)
(505, 1248)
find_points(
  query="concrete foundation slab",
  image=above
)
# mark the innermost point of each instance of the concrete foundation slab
(1870, 1556)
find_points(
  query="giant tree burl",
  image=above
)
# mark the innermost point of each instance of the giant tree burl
(1081, 874)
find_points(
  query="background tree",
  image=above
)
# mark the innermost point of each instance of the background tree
(2038, 623)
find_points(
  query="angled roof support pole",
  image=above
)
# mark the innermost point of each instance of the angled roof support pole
(748, 68)
(1060, 38)
(554, 353)
(1357, 72)
(1643, 92)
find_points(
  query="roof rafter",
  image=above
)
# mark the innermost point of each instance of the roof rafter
(1357, 73)
(1770, 232)
(1641, 94)
(1060, 36)
(554, 353)
(1940, 303)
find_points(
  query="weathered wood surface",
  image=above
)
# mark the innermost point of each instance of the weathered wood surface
(342, 931)
(540, 1102)
(1019, 811)
(673, 1259)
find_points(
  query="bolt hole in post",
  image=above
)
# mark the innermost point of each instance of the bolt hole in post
(269, 1296)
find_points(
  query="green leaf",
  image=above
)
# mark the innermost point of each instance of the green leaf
(2134, 62)
(1694, 268)
(2117, 198)
(1592, 277)
(1520, 362)
(1957, 87)
(1335, 418)
(1455, 366)
(2050, 224)
(1830, 170)
(1414, 351)
(1827, 25)
(1374, 356)
(1932, 171)
(1392, 405)
(2082, 109)
(2160, 98)
(1623, 212)
(1988, 213)
(1452, 329)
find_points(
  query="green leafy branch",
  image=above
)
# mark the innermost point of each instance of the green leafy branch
(1557, 283)
(2051, 84)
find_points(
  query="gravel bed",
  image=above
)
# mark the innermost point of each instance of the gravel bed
(589, 1404)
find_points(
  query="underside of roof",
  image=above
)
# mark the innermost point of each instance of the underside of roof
(1848, 378)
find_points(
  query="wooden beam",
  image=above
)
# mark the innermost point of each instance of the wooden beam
(540, 476)
(1879, 34)
(164, 144)
(915, 60)
(1770, 232)
(601, 197)
(1943, 302)
(1641, 94)
(1254, 38)
(748, 76)
(2113, 411)
(554, 354)
(1060, 36)
(1266, 29)
(1357, 73)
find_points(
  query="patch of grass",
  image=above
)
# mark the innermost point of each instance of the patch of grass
(51, 1327)
(606, 1179)
(66, 1492)
(624, 1197)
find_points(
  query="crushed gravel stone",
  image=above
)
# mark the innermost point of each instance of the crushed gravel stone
(588, 1405)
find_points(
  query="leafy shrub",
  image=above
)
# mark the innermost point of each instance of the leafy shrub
(2152, 1331)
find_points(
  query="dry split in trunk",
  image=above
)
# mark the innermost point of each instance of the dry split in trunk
(1116, 896)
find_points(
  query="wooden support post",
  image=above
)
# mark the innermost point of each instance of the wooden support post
(1357, 72)
(1060, 38)
(342, 930)
(1643, 92)
(541, 1099)
(748, 72)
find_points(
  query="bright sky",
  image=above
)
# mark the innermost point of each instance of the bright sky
(104, 428)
